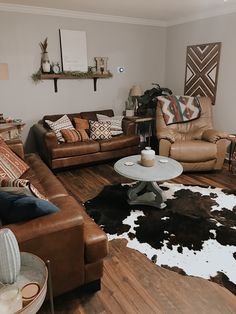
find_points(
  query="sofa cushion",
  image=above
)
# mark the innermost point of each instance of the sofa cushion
(42, 177)
(62, 123)
(70, 149)
(194, 151)
(116, 123)
(11, 166)
(16, 207)
(100, 130)
(120, 141)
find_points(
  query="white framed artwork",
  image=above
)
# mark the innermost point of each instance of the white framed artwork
(73, 50)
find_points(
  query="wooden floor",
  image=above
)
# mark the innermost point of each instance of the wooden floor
(131, 283)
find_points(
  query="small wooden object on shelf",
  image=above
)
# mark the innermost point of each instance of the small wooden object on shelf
(63, 76)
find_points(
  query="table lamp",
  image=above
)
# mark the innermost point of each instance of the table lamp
(135, 93)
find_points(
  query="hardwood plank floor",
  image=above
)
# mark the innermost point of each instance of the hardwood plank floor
(131, 283)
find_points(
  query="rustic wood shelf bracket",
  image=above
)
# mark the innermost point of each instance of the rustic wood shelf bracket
(95, 83)
(55, 84)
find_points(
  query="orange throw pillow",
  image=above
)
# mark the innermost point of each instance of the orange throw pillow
(81, 123)
(11, 166)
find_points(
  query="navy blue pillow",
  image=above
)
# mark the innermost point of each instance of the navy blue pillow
(16, 207)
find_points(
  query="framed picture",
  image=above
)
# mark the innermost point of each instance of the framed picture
(201, 73)
(73, 50)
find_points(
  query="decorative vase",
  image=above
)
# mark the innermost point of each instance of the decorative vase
(46, 67)
(148, 157)
(10, 261)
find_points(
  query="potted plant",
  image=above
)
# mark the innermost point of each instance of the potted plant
(45, 63)
(129, 107)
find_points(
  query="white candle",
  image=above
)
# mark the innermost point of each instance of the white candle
(10, 300)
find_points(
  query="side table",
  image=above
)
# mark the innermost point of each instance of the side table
(10, 131)
(232, 139)
(140, 120)
(33, 270)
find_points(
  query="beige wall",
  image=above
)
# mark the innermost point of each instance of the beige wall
(140, 49)
(215, 29)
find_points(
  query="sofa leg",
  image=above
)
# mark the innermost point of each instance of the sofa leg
(93, 286)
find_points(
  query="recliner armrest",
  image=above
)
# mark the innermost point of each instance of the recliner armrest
(213, 136)
(165, 135)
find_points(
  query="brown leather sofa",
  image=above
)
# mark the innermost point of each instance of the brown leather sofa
(73, 243)
(69, 154)
(195, 144)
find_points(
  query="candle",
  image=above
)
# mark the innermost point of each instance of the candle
(10, 300)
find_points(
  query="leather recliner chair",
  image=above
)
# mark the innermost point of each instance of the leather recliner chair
(195, 144)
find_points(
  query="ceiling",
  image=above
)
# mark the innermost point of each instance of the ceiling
(166, 11)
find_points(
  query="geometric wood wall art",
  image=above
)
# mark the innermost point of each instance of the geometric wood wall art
(201, 73)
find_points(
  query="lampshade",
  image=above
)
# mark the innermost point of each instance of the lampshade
(136, 90)
(3, 71)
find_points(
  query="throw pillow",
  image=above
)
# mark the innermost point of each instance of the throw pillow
(71, 136)
(11, 166)
(16, 208)
(81, 124)
(177, 109)
(100, 130)
(116, 123)
(21, 183)
(62, 123)
(83, 134)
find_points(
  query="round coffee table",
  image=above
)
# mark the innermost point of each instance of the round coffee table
(146, 191)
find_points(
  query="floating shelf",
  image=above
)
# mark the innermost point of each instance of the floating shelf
(63, 76)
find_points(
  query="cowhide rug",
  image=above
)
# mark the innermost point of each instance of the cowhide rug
(195, 234)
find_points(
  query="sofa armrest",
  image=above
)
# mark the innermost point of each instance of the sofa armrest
(17, 147)
(128, 127)
(67, 217)
(45, 140)
(213, 136)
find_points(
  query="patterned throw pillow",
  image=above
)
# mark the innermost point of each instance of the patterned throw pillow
(71, 136)
(81, 124)
(20, 183)
(100, 130)
(177, 109)
(83, 134)
(116, 123)
(11, 166)
(62, 123)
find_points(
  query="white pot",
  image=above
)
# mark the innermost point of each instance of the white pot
(148, 157)
(10, 256)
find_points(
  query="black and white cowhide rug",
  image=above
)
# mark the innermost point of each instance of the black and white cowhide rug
(195, 234)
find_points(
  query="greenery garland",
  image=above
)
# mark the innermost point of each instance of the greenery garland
(37, 76)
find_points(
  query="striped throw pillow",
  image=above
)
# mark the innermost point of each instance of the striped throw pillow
(62, 123)
(11, 166)
(21, 183)
(71, 135)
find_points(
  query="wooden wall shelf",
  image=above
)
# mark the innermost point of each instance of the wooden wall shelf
(63, 76)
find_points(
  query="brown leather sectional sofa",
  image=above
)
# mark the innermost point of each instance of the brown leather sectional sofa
(70, 154)
(72, 242)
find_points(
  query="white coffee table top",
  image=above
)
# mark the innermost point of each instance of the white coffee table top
(164, 169)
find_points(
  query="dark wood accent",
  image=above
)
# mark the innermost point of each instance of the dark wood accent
(132, 283)
(63, 76)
